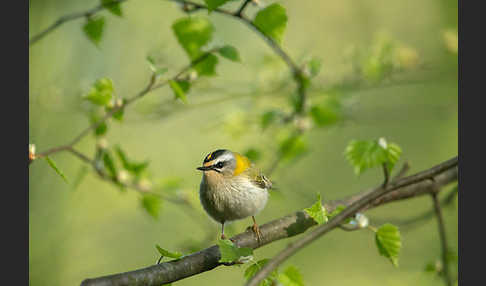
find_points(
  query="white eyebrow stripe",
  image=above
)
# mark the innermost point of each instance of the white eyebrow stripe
(224, 157)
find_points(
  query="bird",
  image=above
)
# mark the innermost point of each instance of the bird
(232, 188)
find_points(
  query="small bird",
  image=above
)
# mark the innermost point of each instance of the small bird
(232, 188)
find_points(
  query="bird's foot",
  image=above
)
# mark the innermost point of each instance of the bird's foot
(256, 230)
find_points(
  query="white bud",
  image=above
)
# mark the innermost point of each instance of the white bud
(31, 151)
(102, 143)
(111, 104)
(192, 76)
(118, 102)
(382, 142)
(303, 123)
(145, 185)
(361, 220)
(123, 176)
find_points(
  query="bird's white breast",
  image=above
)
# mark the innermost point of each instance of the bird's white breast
(232, 199)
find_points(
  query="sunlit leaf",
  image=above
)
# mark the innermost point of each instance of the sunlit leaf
(179, 88)
(109, 163)
(272, 21)
(389, 242)
(112, 6)
(230, 52)
(326, 112)
(293, 147)
(268, 118)
(207, 67)
(56, 169)
(230, 252)
(167, 253)
(317, 211)
(254, 268)
(135, 168)
(93, 28)
(193, 33)
(151, 203)
(101, 92)
(314, 66)
(291, 277)
(213, 4)
(364, 154)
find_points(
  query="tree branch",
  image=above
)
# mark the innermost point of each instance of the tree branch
(443, 240)
(70, 17)
(285, 227)
(368, 199)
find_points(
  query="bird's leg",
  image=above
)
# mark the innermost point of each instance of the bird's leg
(256, 230)
(222, 231)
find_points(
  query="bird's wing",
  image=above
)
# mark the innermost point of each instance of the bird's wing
(260, 180)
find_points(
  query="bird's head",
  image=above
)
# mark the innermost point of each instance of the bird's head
(224, 163)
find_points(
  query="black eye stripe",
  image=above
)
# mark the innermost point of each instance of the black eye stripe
(220, 164)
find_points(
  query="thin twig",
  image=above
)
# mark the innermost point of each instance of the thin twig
(70, 17)
(150, 87)
(443, 239)
(242, 8)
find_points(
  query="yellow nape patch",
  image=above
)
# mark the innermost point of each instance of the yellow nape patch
(242, 164)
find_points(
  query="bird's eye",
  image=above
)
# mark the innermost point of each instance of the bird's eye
(220, 165)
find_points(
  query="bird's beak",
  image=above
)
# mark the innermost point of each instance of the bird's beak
(205, 168)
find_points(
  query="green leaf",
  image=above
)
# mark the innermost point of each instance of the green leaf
(153, 66)
(101, 129)
(93, 28)
(253, 154)
(367, 154)
(207, 67)
(317, 211)
(112, 6)
(179, 88)
(213, 4)
(272, 21)
(389, 242)
(135, 168)
(167, 253)
(53, 166)
(109, 163)
(268, 118)
(118, 115)
(327, 112)
(151, 203)
(101, 92)
(193, 33)
(292, 147)
(230, 52)
(291, 277)
(314, 66)
(254, 268)
(230, 252)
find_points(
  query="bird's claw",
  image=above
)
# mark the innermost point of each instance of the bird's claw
(257, 232)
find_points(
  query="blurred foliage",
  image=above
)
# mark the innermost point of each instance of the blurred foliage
(362, 81)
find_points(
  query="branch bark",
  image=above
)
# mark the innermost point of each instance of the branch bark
(443, 240)
(424, 182)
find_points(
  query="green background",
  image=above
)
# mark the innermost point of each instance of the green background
(94, 229)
